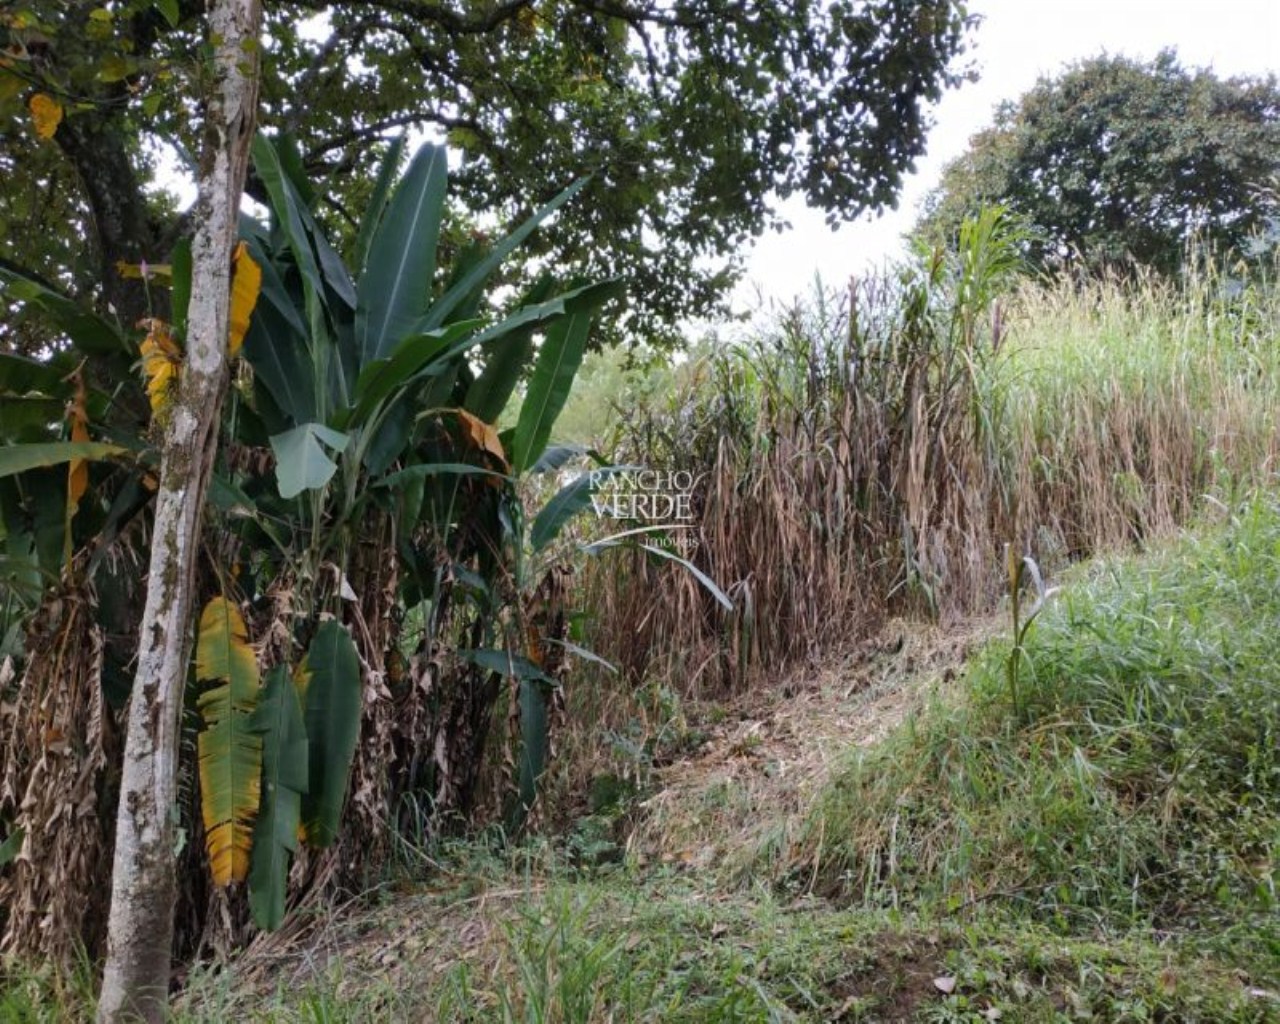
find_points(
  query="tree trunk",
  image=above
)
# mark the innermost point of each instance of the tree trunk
(140, 928)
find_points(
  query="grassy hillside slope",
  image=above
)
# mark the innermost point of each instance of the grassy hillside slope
(1103, 849)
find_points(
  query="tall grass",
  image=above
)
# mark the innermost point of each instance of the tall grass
(871, 453)
(1139, 780)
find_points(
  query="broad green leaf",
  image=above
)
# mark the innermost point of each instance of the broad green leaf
(377, 202)
(170, 10)
(563, 346)
(20, 375)
(83, 328)
(276, 347)
(284, 780)
(568, 502)
(504, 663)
(697, 573)
(489, 393)
(293, 217)
(18, 458)
(415, 474)
(504, 365)
(470, 254)
(624, 540)
(444, 307)
(301, 462)
(584, 654)
(131, 500)
(336, 275)
(395, 288)
(382, 376)
(557, 456)
(291, 162)
(274, 292)
(328, 681)
(33, 521)
(229, 753)
(229, 498)
(29, 416)
(535, 738)
(20, 568)
(534, 317)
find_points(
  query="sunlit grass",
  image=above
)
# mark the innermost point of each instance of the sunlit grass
(1138, 787)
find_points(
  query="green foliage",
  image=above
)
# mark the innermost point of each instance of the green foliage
(90, 333)
(572, 949)
(691, 119)
(11, 846)
(1021, 569)
(571, 500)
(358, 387)
(329, 685)
(301, 461)
(15, 459)
(1118, 160)
(285, 779)
(395, 292)
(534, 698)
(1139, 781)
(354, 357)
(557, 365)
(615, 384)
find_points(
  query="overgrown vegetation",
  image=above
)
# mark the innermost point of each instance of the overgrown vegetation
(1136, 783)
(393, 606)
(360, 480)
(873, 452)
(1104, 844)
(1108, 852)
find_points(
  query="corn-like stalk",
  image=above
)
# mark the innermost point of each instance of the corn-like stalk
(870, 452)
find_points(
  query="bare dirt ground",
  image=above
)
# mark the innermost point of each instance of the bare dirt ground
(745, 790)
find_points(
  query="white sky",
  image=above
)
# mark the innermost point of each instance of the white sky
(1017, 42)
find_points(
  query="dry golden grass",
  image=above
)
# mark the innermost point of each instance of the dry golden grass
(872, 456)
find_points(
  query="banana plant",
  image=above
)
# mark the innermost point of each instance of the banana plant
(273, 757)
(342, 361)
(375, 388)
(69, 468)
(374, 385)
(544, 614)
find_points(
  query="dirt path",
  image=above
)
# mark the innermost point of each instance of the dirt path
(744, 792)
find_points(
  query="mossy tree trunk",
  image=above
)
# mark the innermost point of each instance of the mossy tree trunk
(140, 928)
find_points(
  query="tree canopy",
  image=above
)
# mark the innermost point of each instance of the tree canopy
(1119, 160)
(693, 118)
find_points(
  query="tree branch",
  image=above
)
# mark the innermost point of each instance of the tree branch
(438, 14)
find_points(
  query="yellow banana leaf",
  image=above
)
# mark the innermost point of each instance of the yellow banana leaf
(230, 752)
(246, 282)
(78, 470)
